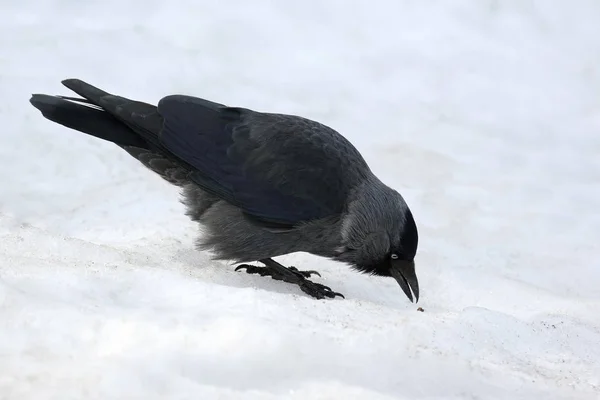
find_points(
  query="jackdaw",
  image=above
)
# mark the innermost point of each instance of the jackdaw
(261, 185)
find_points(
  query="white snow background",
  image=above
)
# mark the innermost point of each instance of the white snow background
(484, 114)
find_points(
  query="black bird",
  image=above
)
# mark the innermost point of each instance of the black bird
(261, 185)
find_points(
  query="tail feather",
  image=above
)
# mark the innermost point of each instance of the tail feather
(86, 119)
(141, 117)
(86, 90)
(132, 125)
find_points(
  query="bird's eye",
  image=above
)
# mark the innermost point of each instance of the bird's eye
(394, 256)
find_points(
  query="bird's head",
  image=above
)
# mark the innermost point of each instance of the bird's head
(380, 237)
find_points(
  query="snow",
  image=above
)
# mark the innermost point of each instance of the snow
(485, 116)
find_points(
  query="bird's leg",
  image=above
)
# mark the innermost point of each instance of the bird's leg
(291, 275)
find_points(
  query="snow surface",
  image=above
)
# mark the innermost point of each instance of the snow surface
(484, 114)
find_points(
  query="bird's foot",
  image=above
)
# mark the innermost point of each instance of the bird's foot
(317, 290)
(253, 269)
(276, 273)
(305, 274)
(292, 275)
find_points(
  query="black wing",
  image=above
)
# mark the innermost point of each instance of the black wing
(279, 169)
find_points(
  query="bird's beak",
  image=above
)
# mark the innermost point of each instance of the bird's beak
(404, 273)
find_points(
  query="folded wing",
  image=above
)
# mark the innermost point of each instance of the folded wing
(279, 169)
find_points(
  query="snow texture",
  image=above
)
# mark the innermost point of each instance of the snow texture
(484, 114)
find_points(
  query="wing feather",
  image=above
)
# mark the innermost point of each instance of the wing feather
(279, 169)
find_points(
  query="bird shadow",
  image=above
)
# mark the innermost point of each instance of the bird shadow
(199, 265)
(357, 287)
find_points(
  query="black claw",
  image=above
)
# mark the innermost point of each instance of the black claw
(305, 274)
(317, 290)
(253, 269)
(291, 275)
